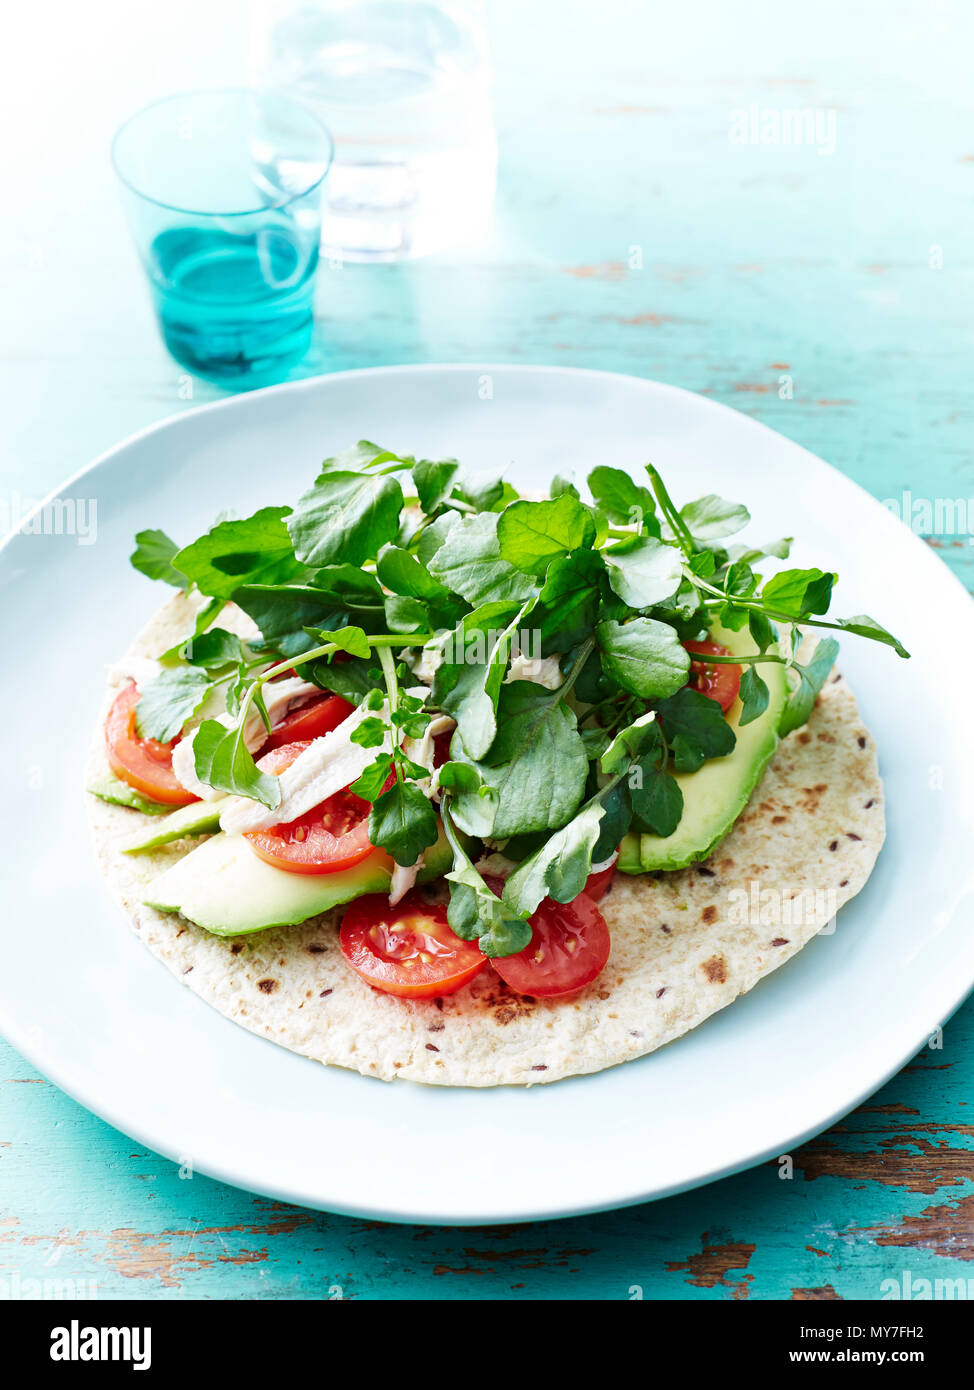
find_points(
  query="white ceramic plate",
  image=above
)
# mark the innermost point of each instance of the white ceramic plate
(107, 1022)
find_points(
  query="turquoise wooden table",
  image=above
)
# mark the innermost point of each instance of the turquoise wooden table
(656, 217)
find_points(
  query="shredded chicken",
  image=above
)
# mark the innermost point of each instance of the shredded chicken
(279, 696)
(542, 670)
(327, 766)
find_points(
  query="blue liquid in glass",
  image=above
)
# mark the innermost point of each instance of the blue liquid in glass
(233, 305)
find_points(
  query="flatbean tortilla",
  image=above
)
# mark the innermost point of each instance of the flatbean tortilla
(684, 945)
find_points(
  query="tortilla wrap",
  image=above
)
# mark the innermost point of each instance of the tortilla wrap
(684, 944)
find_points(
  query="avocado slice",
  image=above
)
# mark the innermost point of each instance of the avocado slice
(716, 794)
(198, 818)
(223, 886)
(108, 787)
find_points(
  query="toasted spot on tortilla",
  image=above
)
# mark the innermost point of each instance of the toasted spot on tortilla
(715, 970)
(780, 941)
(267, 985)
(709, 914)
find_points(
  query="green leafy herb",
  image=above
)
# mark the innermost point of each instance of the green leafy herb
(656, 799)
(799, 593)
(694, 728)
(560, 868)
(645, 656)
(256, 550)
(811, 677)
(153, 556)
(754, 696)
(470, 563)
(536, 766)
(345, 516)
(432, 479)
(403, 822)
(224, 761)
(620, 498)
(710, 518)
(167, 702)
(643, 572)
(532, 534)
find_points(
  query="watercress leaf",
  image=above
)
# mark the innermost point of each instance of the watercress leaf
(811, 677)
(403, 573)
(703, 563)
(536, 767)
(532, 534)
(432, 479)
(348, 639)
(371, 733)
(644, 656)
(632, 742)
(459, 777)
(153, 557)
(256, 550)
(351, 586)
(761, 629)
(616, 819)
(506, 935)
(403, 822)
(283, 611)
(363, 455)
(214, 649)
(695, 728)
(773, 550)
(864, 626)
(596, 740)
(475, 913)
(483, 490)
(369, 785)
(622, 500)
(224, 761)
(563, 482)
(345, 516)
(644, 571)
(569, 600)
(593, 685)
(406, 614)
(560, 868)
(353, 680)
(433, 536)
(657, 801)
(168, 701)
(469, 690)
(754, 695)
(470, 563)
(711, 517)
(799, 593)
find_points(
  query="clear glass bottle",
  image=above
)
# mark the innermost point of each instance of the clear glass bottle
(405, 87)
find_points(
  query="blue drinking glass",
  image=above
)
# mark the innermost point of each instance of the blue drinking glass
(223, 193)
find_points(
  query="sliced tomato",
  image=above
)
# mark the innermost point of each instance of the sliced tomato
(409, 949)
(717, 680)
(569, 948)
(318, 716)
(597, 885)
(330, 837)
(143, 763)
(441, 749)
